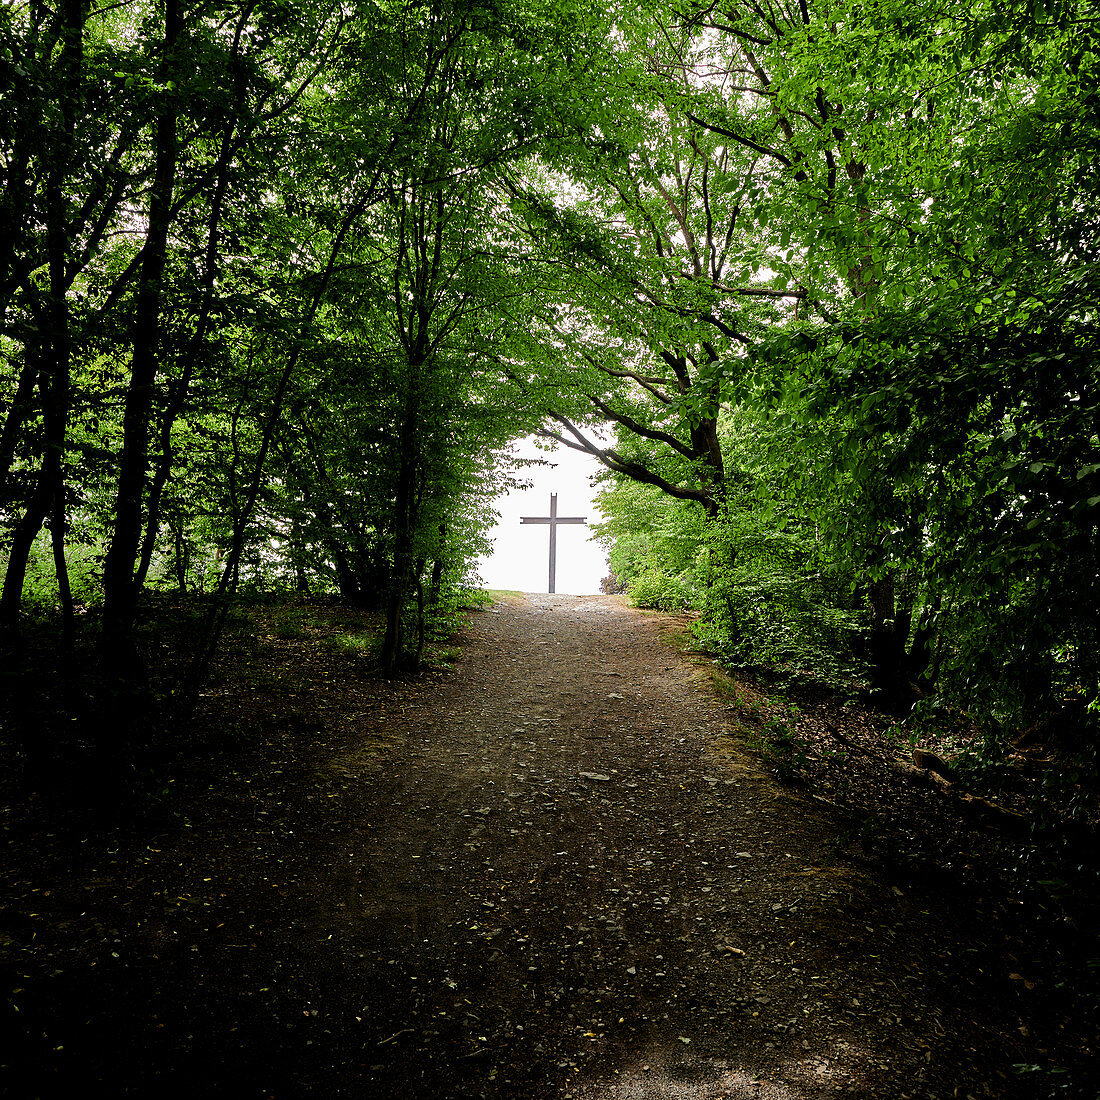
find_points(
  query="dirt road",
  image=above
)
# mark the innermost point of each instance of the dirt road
(560, 882)
(567, 886)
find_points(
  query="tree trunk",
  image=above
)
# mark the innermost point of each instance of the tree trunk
(419, 655)
(298, 553)
(26, 530)
(923, 650)
(887, 647)
(119, 588)
(181, 558)
(123, 705)
(57, 405)
(163, 470)
(56, 346)
(404, 526)
(212, 627)
(346, 580)
(61, 572)
(54, 385)
(18, 412)
(438, 565)
(13, 202)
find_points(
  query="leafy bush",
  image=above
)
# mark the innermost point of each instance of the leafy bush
(85, 568)
(768, 586)
(663, 591)
(777, 599)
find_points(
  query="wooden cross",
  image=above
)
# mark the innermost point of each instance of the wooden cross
(553, 519)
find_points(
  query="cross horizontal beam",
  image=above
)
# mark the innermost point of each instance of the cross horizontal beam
(553, 519)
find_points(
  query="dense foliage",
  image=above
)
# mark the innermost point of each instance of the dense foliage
(920, 487)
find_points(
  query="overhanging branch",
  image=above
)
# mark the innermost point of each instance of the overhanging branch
(617, 463)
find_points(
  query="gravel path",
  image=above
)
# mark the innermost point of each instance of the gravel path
(568, 886)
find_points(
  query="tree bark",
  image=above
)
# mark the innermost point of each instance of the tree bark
(56, 346)
(404, 528)
(119, 583)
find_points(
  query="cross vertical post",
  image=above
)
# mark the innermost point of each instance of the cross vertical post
(553, 520)
(553, 538)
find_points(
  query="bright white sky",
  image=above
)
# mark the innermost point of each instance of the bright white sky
(521, 553)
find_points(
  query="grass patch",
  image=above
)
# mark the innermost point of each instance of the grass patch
(297, 621)
(356, 624)
(351, 644)
(289, 630)
(479, 599)
(443, 656)
(725, 686)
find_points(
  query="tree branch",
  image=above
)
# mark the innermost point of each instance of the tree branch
(638, 428)
(648, 384)
(617, 463)
(764, 150)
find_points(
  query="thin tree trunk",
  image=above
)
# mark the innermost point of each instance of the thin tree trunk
(163, 469)
(404, 527)
(26, 531)
(419, 655)
(215, 621)
(181, 556)
(64, 589)
(53, 385)
(13, 207)
(53, 371)
(119, 588)
(297, 553)
(18, 412)
(57, 407)
(438, 565)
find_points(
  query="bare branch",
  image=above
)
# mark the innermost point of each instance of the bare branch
(649, 384)
(616, 462)
(638, 428)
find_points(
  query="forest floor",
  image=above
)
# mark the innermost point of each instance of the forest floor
(555, 871)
